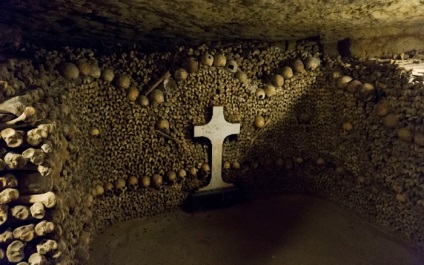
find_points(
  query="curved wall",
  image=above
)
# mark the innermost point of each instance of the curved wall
(350, 131)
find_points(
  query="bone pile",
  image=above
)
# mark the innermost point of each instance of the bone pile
(109, 134)
(37, 222)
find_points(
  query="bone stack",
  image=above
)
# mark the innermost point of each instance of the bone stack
(29, 165)
(116, 134)
(38, 137)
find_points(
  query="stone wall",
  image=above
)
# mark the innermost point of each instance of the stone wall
(193, 22)
(112, 137)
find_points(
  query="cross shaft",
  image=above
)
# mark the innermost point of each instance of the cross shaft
(216, 131)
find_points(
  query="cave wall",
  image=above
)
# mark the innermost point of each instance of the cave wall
(384, 24)
(347, 130)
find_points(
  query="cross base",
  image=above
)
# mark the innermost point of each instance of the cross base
(216, 184)
(212, 199)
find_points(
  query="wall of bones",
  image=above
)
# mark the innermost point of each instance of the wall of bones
(91, 137)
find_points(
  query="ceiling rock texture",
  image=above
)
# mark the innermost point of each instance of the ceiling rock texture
(384, 26)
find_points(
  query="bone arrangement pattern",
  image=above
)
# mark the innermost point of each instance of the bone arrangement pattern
(110, 135)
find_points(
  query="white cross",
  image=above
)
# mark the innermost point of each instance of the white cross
(216, 131)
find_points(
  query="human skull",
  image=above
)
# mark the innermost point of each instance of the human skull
(241, 76)
(182, 174)
(298, 66)
(169, 85)
(205, 170)
(235, 165)
(163, 125)
(120, 186)
(171, 176)
(260, 93)
(192, 171)
(132, 183)
(366, 92)
(145, 181)
(270, 90)
(360, 181)
(157, 180)
(227, 165)
(312, 63)
(277, 80)
(347, 127)
(286, 72)
(343, 81)
(95, 71)
(207, 59)
(219, 60)
(191, 65)
(108, 188)
(180, 74)
(107, 75)
(98, 190)
(231, 66)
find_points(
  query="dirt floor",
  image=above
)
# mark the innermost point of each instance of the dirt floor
(283, 230)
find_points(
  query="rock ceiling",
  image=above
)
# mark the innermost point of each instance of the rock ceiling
(161, 23)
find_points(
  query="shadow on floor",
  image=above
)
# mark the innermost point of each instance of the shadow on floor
(288, 229)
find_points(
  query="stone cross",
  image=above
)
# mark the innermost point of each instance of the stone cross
(217, 130)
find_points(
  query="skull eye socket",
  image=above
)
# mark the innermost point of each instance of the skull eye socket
(232, 66)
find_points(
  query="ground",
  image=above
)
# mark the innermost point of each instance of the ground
(286, 229)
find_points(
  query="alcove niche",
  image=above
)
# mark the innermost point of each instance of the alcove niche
(94, 135)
